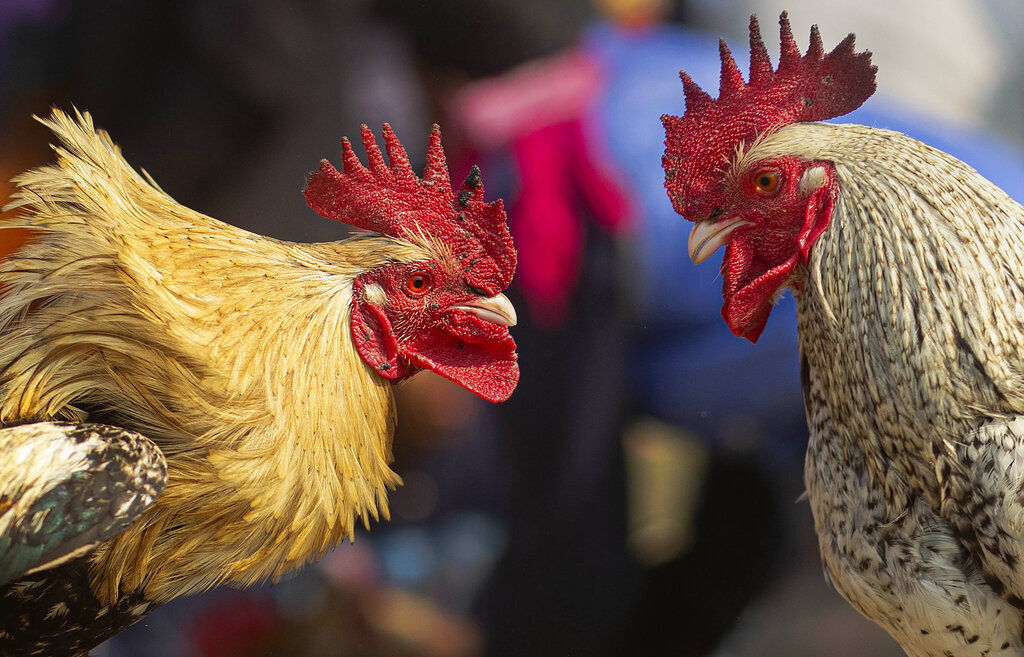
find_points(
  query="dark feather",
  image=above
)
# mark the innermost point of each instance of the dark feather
(99, 479)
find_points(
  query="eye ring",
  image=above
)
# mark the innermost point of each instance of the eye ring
(418, 284)
(767, 182)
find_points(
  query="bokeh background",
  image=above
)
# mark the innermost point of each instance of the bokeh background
(640, 493)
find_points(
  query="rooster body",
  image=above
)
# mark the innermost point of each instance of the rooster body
(905, 264)
(910, 321)
(235, 355)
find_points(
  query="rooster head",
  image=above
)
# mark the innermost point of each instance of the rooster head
(768, 211)
(442, 310)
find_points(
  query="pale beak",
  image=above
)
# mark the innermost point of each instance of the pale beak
(497, 309)
(705, 238)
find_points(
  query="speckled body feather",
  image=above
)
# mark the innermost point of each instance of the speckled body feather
(906, 265)
(230, 351)
(911, 320)
(67, 487)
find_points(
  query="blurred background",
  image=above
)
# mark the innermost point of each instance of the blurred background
(638, 494)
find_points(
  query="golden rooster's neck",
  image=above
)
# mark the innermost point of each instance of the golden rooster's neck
(229, 350)
(250, 501)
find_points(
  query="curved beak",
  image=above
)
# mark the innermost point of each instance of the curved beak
(706, 238)
(497, 309)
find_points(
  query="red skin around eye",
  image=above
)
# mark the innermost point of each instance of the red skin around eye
(426, 331)
(761, 258)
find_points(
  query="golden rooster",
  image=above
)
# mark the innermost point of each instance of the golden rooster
(188, 404)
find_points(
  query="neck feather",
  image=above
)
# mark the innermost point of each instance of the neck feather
(277, 435)
(285, 488)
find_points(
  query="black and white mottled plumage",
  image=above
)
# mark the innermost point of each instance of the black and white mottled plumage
(911, 321)
(907, 269)
(64, 489)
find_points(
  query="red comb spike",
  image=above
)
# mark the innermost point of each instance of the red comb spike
(844, 47)
(399, 159)
(760, 62)
(695, 97)
(813, 87)
(374, 158)
(494, 214)
(789, 56)
(396, 203)
(350, 163)
(732, 80)
(815, 51)
(327, 174)
(436, 169)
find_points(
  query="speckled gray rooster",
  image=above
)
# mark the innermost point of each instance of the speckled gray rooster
(908, 270)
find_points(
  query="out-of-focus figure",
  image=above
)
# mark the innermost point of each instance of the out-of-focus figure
(625, 69)
(578, 132)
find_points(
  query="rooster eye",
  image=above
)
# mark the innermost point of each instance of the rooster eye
(767, 182)
(417, 284)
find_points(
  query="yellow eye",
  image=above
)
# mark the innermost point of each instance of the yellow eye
(417, 283)
(767, 182)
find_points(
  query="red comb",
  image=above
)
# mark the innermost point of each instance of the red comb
(810, 87)
(391, 200)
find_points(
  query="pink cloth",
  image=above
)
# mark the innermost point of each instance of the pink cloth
(495, 111)
(538, 112)
(557, 175)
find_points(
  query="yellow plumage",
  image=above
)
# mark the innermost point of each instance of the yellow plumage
(231, 351)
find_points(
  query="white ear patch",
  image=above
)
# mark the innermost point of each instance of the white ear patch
(812, 179)
(374, 293)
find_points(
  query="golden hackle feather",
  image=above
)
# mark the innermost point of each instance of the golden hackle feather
(229, 350)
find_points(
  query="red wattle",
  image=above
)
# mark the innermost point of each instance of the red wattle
(750, 283)
(749, 286)
(478, 355)
(488, 369)
(746, 310)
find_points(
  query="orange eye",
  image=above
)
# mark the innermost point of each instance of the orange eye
(767, 182)
(417, 283)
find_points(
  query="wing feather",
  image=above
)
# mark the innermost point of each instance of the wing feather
(65, 488)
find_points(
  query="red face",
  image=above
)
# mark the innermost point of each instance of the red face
(448, 316)
(408, 317)
(770, 215)
(767, 216)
